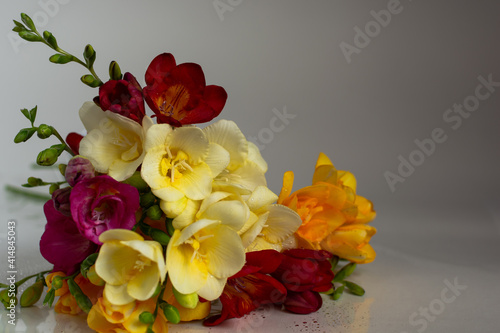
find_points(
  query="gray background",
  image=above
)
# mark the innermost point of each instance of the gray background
(364, 114)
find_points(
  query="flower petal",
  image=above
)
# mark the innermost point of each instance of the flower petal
(213, 288)
(144, 284)
(192, 141)
(117, 294)
(225, 252)
(227, 134)
(217, 159)
(282, 222)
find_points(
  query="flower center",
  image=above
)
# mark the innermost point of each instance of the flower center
(173, 165)
(173, 101)
(195, 243)
(140, 263)
(308, 209)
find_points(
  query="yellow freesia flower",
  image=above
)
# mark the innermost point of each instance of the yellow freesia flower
(114, 143)
(131, 266)
(180, 165)
(269, 224)
(204, 254)
(105, 317)
(246, 167)
(333, 217)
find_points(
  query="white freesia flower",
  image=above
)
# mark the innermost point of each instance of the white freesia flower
(114, 143)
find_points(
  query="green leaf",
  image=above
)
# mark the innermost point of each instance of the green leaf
(81, 299)
(91, 81)
(60, 58)
(33, 115)
(29, 36)
(49, 38)
(89, 55)
(354, 288)
(49, 298)
(28, 21)
(334, 262)
(25, 134)
(26, 113)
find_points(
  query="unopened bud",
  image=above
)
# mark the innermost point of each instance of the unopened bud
(62, 169)
(49, 38)
(57, 282)
(115, 72)
(154, 212)
(60, 197)
(147, 318)
(354, 288)
(44, 131)
(33, 181)
(94, 278)
(337, 293)
(171, 313)
(344, 272)
(60, 58)
(189, 301)
(160, 236)
(8, 298)
(91, 81)
(47, 157)
(136, 181)
(147, 199)
(29, 36)
(24, 135)
(32, 294)
(79, 168)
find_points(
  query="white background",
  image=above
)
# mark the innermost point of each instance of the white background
(441, 223)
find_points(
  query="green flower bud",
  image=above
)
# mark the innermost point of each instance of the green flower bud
(154, 212)
(136, 181)
(32, 294)
(337, 293)
(115, 72)
(47, 157)
(91, 81)
(49, 298)
(329, 292)
(147, 199)
(57, 282)
(19, 26)
(160, 236)
(49, 38)
(157, 291)
(94, 278)
(60, 58)
(30, 36)
(8, 297)
(44, 131)
(87, 263)
(62, 169)
(53, 188)
(24, 135)
(169, 226)
(146, 318)
(89, 55)
(33, 181)
(189, 301)
(354, 288)
(81, 299)
(171, 313)
(28, 21)
(344, 272)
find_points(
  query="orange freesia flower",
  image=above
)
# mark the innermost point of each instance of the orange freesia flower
(333, 217)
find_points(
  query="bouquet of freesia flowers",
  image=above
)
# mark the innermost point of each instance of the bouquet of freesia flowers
(156, 218)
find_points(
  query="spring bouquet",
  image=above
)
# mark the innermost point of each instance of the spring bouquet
(155, 219)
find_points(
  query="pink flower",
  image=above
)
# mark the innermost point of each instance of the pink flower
(61, 201)
(78, 168)
(102, 203)
(123, 97)
(62, 244)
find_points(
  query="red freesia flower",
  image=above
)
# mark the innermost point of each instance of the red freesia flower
(73, 140)
(178, 95)
(62, 244)
(123, 97)
(304, 273)
(251, 287)
(101, 203)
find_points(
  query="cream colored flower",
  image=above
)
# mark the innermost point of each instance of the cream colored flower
(180, 165)
(246, 167)
(114, 143)
(130, 266)
(204, 254)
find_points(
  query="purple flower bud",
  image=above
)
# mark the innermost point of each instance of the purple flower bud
(79, 168)
(61, 201)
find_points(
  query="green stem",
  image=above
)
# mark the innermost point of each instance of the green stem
(66, 147)
(26, 193)
(20, 282)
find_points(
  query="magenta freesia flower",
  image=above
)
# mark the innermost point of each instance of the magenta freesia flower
(62, 244)
(102, 203)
